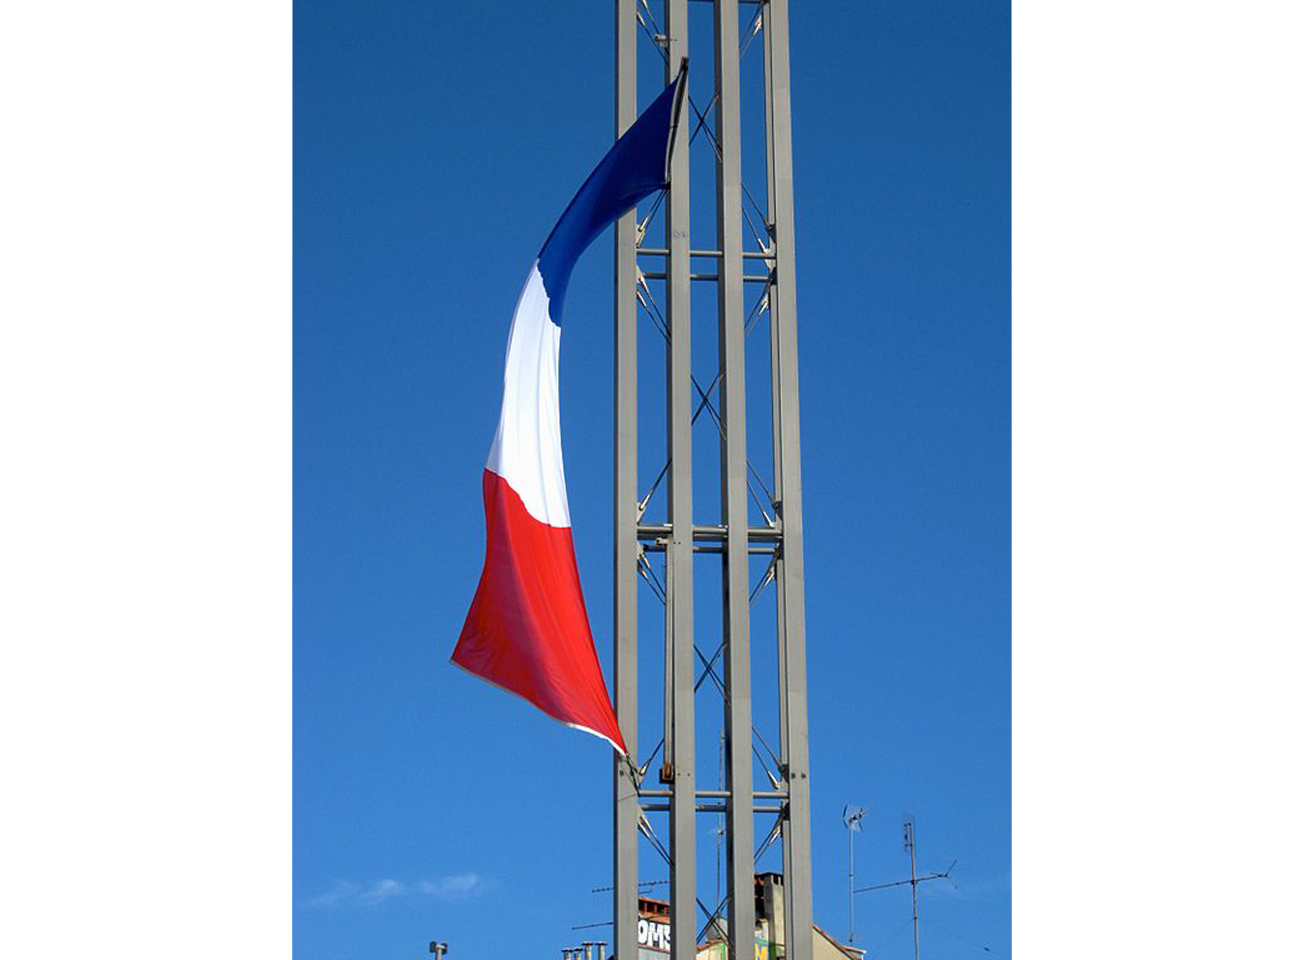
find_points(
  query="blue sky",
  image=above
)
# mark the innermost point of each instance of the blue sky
(435, 145)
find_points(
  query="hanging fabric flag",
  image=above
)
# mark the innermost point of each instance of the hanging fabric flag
(527, 630)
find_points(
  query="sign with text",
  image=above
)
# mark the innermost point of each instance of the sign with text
(654, 935)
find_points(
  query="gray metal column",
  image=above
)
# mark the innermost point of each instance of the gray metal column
(625, 632)
(787, 444)
(733, 485)
(679, 550)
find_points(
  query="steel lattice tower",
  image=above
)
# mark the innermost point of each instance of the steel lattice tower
(765, 272)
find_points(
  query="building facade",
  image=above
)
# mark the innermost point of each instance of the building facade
(654, 930)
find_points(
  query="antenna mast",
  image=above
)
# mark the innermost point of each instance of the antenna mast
(851, 816)
(914, 881)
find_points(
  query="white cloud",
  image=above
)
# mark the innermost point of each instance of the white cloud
(458, 886)
(381, 890)
(343, 890)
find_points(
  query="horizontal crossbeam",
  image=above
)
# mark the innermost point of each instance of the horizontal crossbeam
(710, 532)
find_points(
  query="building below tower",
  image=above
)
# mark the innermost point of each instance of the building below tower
(654, 930)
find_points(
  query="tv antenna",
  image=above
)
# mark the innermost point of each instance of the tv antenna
(645, 883)
(915, 880)
(851, 817)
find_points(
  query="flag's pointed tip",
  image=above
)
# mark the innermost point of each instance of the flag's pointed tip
(681, 90)
(681, 85)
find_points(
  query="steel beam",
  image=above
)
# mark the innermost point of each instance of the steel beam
(679, 552)
(711, 533)
(739, 805)
(790, 578)
(625, 627)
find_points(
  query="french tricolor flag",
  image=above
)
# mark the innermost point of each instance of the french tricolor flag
(527, 630)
